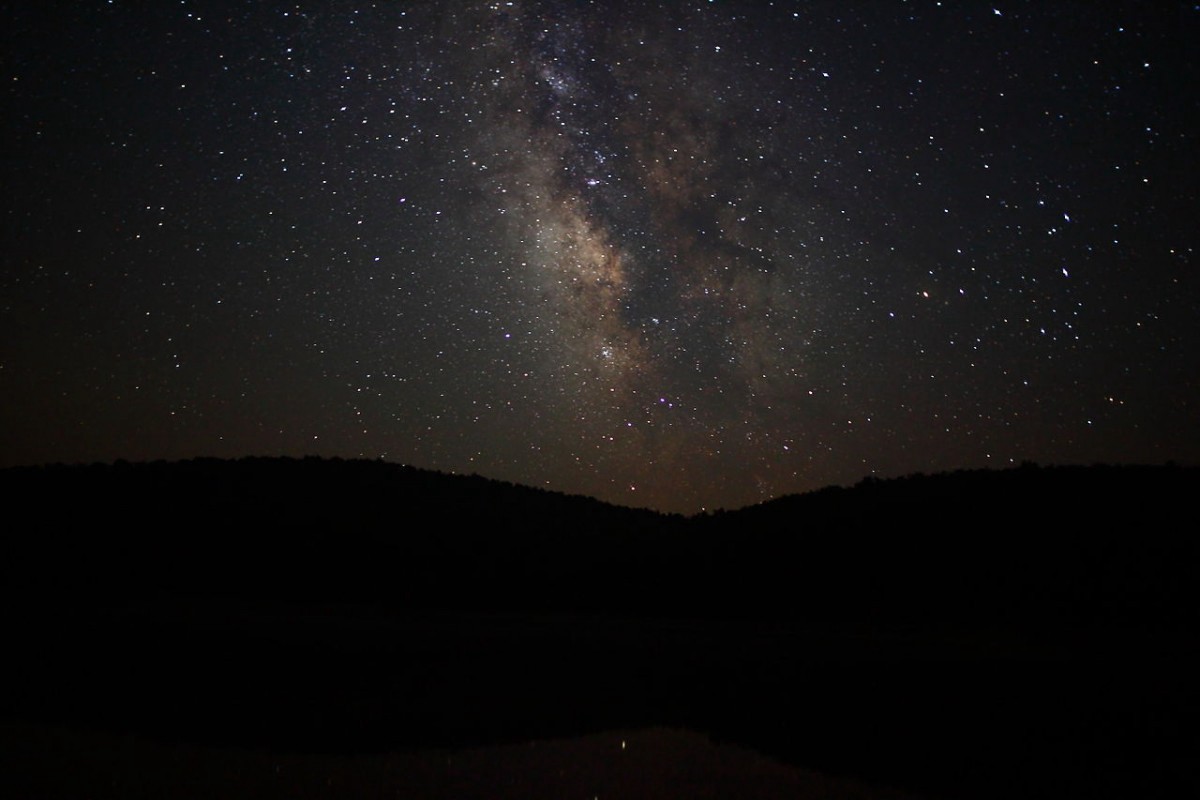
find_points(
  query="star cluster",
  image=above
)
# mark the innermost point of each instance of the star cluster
(682, 255)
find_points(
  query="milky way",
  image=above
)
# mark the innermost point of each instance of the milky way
(683, 255)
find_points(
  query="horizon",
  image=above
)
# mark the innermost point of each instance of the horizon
(678, 258)
(864, 481)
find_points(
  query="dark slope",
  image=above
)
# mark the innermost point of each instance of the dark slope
(1031, 547)
(1028, 547)
(977, 634)
(310, 530)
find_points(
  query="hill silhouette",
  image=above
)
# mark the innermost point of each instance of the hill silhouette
(310, 530)
(972, 633)
(1025, 546)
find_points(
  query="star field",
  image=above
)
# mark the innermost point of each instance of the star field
(676, 255)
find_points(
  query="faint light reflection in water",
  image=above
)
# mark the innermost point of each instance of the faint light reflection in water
(655, 764)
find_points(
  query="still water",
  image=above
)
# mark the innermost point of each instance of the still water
(656, 763)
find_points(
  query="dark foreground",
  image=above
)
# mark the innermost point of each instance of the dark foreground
(306, 628)
(206, 696)
(652, 764)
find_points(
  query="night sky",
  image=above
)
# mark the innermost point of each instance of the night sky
(676, 255)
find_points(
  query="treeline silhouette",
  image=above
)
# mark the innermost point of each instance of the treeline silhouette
(311, 530)
(1024, 632)
(1035, 546)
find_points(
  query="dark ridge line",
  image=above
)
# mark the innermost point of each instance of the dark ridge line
(867, 482)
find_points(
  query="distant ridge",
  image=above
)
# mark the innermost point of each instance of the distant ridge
(1028, 543)
(448, 484)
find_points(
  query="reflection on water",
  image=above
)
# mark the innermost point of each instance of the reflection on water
(656, 763)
